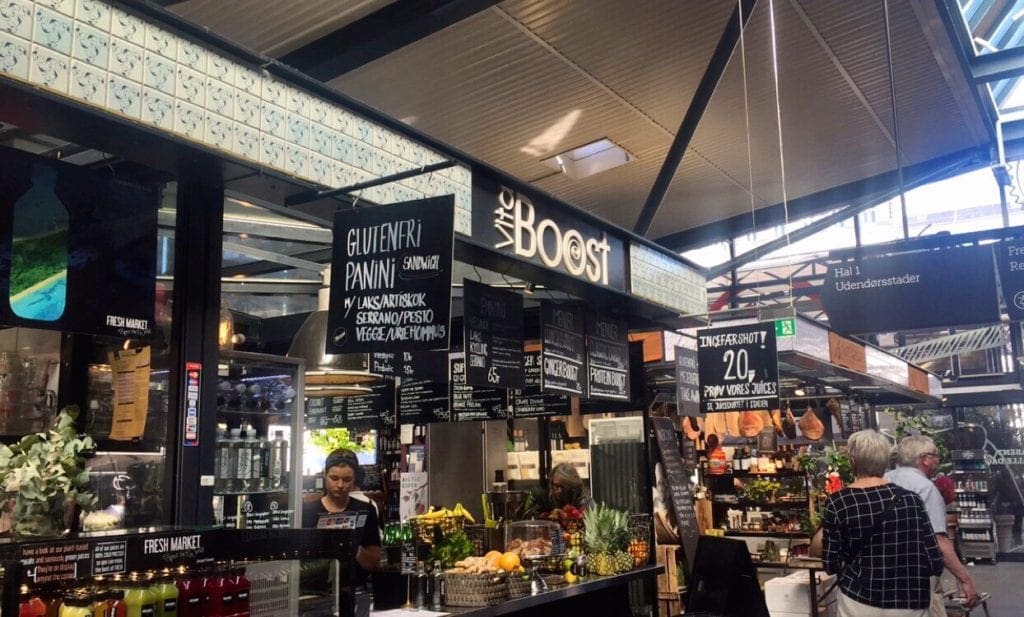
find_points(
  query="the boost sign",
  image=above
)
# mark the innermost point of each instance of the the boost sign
(738, 368)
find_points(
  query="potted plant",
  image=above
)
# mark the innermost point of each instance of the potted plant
(761, 490)
(45, 478)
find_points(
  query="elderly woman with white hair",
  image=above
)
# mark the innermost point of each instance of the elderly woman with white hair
(878, 539)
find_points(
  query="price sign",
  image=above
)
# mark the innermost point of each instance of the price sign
(687, 382)
(421, 402)
(563, 349)
(474, 402)
(493, 322)
(738, 368)
(677, 482)
(531, 402)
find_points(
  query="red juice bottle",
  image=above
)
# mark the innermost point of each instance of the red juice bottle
(240, 586)
(190, 594)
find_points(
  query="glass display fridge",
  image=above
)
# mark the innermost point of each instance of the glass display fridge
(257, 475)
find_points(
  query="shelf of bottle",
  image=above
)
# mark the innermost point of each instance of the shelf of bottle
(255, 412)
(778, 505)
(736, 473)
(966, 490)
(975, 525)
(264, 491)
(967, 472)
(735, 533)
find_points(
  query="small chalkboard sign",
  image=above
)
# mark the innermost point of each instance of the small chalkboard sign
(687, 382)
(368, 410)
(563, 348)
(767, 440)
(423, 402)
(530, 401)
(432, 364)
(473, 402)
(493, 336)
(677, 482)
(854, 415)
(325, 412)
(607, 358)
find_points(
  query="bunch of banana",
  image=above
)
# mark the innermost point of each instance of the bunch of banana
(458, 510)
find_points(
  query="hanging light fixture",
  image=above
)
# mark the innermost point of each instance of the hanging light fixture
(329, 374)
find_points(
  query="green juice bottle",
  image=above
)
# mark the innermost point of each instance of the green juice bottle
(139, 600)
(166, 593)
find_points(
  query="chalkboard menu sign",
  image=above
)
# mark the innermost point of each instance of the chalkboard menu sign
(422, 402)
(607, 358)
(373, 409)
(391, 277)
(431, 365)
(687, 382)
(738, 367)
(689, 455)
(530, 401)
(369, 410)
(855, 417)
(677, 482)
(325, 412)
(493, 338)
(563, 348)
(473, 402)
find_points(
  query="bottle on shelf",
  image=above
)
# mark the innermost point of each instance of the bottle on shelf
(166, 593)
(231, 460)
(243, 466)
(31, 605)
(76, 604)
(258, 478)
(223, 467)
(421, 586)
(240, 588)
(139, 601)
(278, 460)
(439, 589)
(190, 594)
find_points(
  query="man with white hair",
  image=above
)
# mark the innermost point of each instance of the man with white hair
(917, 461)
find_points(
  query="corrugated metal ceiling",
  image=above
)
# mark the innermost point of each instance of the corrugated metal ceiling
(527, 79)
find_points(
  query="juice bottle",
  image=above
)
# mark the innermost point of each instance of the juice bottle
(240, 587)
(218, 597)
(190, 594)
(139, 601)
(101, 603)
(76, 605)
(166, 596)
(115, 604)
(31, 605)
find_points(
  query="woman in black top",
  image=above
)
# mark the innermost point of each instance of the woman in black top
(878, 539)
(340, 473)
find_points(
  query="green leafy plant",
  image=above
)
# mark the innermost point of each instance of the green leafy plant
(817, 464)
(760, 490)
(330, 439)
(44, 473)
(454, 546)
(907, 423)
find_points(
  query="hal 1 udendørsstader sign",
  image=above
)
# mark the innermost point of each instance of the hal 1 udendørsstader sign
(738, 368)
(391, 277)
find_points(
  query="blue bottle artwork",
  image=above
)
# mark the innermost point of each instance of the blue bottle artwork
(39, 250)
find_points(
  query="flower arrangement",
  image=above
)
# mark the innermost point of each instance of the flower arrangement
(45, 473)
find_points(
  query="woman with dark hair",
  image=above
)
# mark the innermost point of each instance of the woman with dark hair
(341, 476)
(566, 488)
(878, 539)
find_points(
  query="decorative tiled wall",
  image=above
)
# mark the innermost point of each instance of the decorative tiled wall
(101, 56)
(663, 280)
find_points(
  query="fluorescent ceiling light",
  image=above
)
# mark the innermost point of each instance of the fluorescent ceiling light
(589, 159)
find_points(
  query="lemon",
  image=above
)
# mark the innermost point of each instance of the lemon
(571, 578)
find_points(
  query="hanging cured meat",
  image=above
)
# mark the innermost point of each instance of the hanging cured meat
(777, 422)
(789, 423)
(833, 407)
(811, 426)
(714, 424)
(732, 423)
(750, 423)
(691, 428)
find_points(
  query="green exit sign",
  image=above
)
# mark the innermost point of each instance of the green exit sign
(785, 327)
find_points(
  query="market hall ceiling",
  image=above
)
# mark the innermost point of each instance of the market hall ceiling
(513, 83)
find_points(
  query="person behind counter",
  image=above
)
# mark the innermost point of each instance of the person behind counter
(565, 487)
(341, 475)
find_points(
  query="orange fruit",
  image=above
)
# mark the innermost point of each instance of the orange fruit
(509, 561)
(492, 558)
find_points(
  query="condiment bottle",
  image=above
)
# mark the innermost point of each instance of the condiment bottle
(716, 461)
(31, 605)
(166, 596)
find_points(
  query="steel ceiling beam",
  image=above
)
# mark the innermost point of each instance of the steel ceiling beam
(321, 256)
(391, 28)
(769, 216)
(998, 65)
(701, 98)
(963, 48)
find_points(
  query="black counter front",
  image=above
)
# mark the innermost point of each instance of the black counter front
(597, 595)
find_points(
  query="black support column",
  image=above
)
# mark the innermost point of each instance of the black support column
(197, 265)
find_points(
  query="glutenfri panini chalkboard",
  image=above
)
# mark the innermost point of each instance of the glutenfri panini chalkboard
(493, 336)
(473, 402)
(530, 401)
(607, 358)
(391, 277)
(563, 349)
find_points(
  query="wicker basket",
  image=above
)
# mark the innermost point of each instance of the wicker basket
(517, 587)
(477, 534)
(423, 528)
(475, 589)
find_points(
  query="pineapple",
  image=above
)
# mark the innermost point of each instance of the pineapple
(606, 535)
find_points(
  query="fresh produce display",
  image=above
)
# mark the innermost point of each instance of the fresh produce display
(606, 536)
(529, 548)
(454, 547)
(458, 511)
